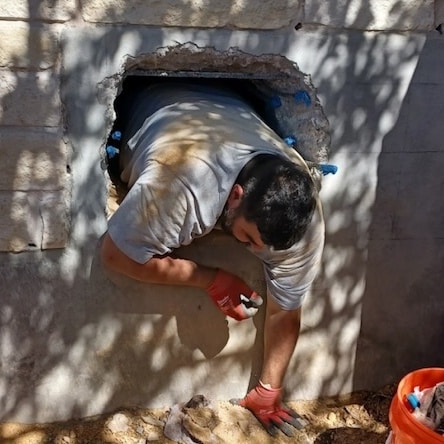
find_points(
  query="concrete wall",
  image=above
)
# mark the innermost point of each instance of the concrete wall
(74, 343)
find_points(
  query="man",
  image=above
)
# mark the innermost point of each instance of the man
(195, 158)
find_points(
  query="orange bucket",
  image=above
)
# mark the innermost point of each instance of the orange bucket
(405, 427)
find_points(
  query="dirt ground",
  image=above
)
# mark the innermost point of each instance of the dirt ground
(360, 418)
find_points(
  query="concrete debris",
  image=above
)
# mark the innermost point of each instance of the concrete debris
(197, 401)
(119, 423)
(153, 436)
(193, 422)
(156, 422)
(173, 427)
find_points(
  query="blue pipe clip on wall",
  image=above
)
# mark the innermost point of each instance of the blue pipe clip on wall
(324, 168)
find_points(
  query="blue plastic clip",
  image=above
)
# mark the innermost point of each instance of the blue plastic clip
(275, 102)
(291, 141)
(112, 151)
(413, 400)
(302, 96)
(328, 169)
(116, 135)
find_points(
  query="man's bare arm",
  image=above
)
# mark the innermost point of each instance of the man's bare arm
(281, 333)
(224, 288)
(158, 270)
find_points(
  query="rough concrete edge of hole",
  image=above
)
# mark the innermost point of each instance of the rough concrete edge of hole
(304, 120)
(107, 91)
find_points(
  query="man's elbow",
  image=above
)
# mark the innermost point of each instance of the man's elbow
(109, 256)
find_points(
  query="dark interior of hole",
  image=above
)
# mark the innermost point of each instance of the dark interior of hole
(245, 88)
(131, 84)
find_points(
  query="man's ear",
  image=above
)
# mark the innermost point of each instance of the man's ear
(235, 197)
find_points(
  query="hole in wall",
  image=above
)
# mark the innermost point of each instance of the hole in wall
(280, 93)
(134, 84)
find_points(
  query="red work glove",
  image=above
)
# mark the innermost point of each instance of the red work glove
(233, 296)
(265, 404)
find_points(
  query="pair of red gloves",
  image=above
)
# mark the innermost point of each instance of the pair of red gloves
(235, 299)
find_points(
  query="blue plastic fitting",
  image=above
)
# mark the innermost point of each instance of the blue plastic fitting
(112, 151)
(302, 96)
(275, 102)
(328, 169)
(413, 400)
(291, 141)
(116, 135)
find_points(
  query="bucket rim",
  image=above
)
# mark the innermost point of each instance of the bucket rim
(408, 415)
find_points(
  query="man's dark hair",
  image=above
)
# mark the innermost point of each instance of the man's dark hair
(279, 197)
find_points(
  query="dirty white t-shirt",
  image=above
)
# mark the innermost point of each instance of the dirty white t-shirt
(183, 162)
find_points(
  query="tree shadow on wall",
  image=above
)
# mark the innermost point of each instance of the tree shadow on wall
(402, 323)
(167, 331)
(361, 82)
(59, 321)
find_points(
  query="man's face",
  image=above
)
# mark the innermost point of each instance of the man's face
(234, 223)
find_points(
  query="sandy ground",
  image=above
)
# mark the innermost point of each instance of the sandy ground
(360, 418)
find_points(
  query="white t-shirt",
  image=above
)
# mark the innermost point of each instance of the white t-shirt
(182, 164)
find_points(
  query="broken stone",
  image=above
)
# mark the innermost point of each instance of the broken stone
(197, 401)
(203, 417)
(200, 433)
(173, 428)
(118, 423)
(153, 421)
(332, 417)
(154, 435)
(193, 422)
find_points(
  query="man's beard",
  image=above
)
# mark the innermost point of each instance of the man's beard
(227, 219)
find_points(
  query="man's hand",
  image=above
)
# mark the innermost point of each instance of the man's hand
(233, 296)
(265, 404)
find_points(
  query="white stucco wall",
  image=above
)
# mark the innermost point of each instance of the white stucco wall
(63, 324)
